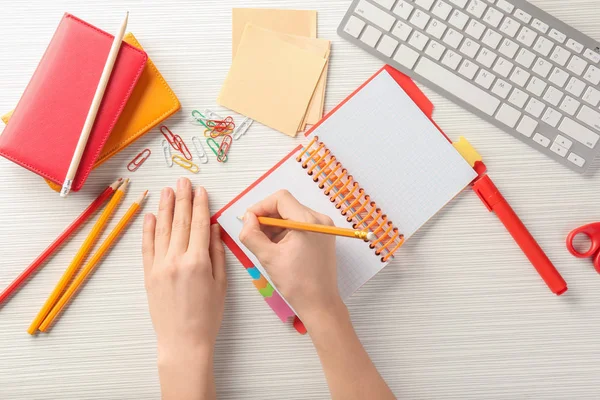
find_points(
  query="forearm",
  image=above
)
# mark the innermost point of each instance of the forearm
(186, 375)
(349, 371)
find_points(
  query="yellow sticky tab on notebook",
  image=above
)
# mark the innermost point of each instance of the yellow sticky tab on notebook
(6, 117)
(467, 151)
(271, 80)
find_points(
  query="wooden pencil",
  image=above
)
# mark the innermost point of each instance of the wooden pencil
(94, 261)
(91, 116)
(78, 259)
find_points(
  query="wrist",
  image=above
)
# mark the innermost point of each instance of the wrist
(327, 317)
(174, 356)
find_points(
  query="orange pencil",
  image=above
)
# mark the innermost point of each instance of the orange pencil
(89, 267)
(79, 257)
(325, 229)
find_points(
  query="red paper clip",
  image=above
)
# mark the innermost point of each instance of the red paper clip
(139, 160)
(224, 148)
(182, 147)
(172, 139)
(221, 126)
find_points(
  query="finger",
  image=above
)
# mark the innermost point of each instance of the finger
(254, 239)
(164, 222)
(182, 219)
(200, 235)
(148, 243)
(217, 255)
(283, 205)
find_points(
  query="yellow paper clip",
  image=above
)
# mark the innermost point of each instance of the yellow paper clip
(182, 162)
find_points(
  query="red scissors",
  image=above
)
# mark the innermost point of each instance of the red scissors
(593, 232)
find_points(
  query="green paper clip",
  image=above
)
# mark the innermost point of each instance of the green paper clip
(214, 146)
(199, 117)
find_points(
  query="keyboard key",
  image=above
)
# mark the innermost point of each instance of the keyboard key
(570, 105)
(553, 96)
(560, 55)
(426, 4)
(558, 149)
(542, 67)
(475, 29)
(501, 88)
(535, 107)
(452, 83)
(520, 76)
(436, 29)
(402, 31)
(451, 59)
(510, 27)
(493, 17)
(453, 38)
(541, 140)
(540, 26)
(527, 126)
(509, 48)
(592, 56)
(591, 96)
(403, 9)
(577, 160)
(564, 142)
(503, 67)
(508, 115)
(435, 50)
(375, 15)
(536, 86)
(575, 46)
(523, 16)
(442, 9)
(526, 36)
(557, 35)
(551, 117)
(420, 19)
(385, 3)
(459, 3)
(485, 79)
(492, 38)
(486, 58)
(575, 87)
(505, 6)
(418, 40)
(518, 98)
(371, 36)
(525, 58)
(387, 46)
(476, 8)
(592, 75)
(406, 56)
(458, 19)
(577, 65)
(579, 132)
(468, 69)
(354, 26)
(470, 48)
(590, 117)
(543, 46)
(559, 77)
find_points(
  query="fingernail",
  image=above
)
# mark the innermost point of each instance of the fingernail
(180, 183)
(164, 194)
(199, 191)
(148, 218)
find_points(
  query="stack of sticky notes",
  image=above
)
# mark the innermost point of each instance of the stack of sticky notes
(279, 69)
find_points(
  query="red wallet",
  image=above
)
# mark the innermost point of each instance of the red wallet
(47, 122)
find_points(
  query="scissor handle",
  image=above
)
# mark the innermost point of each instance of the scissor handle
(592, 231)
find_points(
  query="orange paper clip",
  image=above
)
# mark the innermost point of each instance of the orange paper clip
(182, 147)
(171, 138)
(138, 160)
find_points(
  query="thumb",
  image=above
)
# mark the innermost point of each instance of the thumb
(255, 239)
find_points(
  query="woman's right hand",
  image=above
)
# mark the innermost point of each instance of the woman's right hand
(301, 264)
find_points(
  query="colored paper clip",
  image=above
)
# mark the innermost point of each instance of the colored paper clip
(200, 149)
(171, 138)
(182, 162)
(215, 147)
(183, 148)
(210, 114)
(242, 128)
(138, 160)
(198, 117)
(166, 148)
(224, 149)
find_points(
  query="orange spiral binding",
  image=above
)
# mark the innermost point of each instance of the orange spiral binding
(351, 199)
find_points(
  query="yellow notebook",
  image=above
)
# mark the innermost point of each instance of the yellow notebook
(151, 102)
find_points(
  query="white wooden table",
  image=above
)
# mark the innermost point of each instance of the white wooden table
(460, 314)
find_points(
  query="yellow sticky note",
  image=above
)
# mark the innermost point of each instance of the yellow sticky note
(271, 80)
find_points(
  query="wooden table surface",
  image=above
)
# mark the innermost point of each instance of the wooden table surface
(460, 314)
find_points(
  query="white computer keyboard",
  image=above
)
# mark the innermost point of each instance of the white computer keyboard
(509, 62)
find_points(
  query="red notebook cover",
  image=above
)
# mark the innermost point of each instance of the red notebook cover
(47, 122)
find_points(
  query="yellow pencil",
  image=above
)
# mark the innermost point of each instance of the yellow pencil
(78, 259)
(325, 229)
(92, 263)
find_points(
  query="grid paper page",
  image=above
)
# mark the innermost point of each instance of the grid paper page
(356, 262)
(396, 153)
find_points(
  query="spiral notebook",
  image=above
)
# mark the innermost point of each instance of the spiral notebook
(375, 162)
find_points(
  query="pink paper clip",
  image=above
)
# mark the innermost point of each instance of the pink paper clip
(171, 138)
(224, 148)
(182, 148)
(138, 160)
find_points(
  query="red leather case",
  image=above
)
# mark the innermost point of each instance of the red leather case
(47, 122)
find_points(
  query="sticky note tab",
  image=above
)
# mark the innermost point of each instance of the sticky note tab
(254, 273)
(467, 151)
(260, 283)
(267, 291)
(6, 117)
(283, 311)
